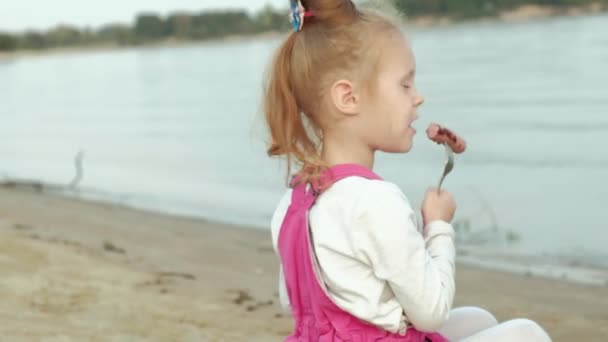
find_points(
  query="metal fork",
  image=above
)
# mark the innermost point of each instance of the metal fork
(449, 165)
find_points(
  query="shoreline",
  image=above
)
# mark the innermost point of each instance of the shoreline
(170, 43)
(80, 270)
(564, 268)
(572, 269)
(524, 13)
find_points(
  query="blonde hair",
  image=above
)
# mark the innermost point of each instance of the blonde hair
(336, 42)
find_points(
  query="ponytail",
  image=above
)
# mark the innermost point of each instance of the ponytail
(288, 131)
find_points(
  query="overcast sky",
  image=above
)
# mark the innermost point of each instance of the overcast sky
(18, 15)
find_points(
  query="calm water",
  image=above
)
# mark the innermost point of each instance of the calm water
(179, 129)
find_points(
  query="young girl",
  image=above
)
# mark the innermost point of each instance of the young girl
(354, 264)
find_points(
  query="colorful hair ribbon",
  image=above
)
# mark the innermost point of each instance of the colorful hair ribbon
(298, 14)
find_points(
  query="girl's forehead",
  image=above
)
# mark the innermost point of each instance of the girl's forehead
(397, 54)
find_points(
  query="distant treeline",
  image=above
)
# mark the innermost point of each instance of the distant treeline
(151, 27)
(477, 8)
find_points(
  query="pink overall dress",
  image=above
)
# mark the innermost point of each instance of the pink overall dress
(317, 317)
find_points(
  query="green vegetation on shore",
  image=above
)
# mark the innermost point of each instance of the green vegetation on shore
(150, 28)
(460, 9)
(184, 26)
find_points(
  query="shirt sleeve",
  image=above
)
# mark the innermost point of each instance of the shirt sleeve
(275, 228)
(283, 296)
(419, 270)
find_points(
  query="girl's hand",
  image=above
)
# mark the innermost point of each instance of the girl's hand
(438, 206)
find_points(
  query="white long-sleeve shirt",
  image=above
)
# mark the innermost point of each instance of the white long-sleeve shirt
(375, 262)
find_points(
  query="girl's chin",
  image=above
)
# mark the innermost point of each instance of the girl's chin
(403, 148)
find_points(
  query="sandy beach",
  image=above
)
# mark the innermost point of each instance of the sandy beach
(85, 271)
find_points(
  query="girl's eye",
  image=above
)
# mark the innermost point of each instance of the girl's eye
(406, 86)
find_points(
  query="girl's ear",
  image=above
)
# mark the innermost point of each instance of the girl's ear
(344, 98)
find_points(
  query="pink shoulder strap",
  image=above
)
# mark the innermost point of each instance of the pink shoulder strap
(342, 171)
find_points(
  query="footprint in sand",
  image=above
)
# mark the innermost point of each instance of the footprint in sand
(61, 298)
(17, 257)
(241, 297)
(30, 276)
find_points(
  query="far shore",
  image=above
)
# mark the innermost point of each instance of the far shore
(525, 13)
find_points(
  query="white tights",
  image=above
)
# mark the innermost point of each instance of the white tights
(472, 324)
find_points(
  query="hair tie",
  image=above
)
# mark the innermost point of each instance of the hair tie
(298, 14)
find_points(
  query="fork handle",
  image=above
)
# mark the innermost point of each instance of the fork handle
(448, 152)
(440, 182)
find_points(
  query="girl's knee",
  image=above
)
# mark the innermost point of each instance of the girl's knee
(477, 314)
(530, 329)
